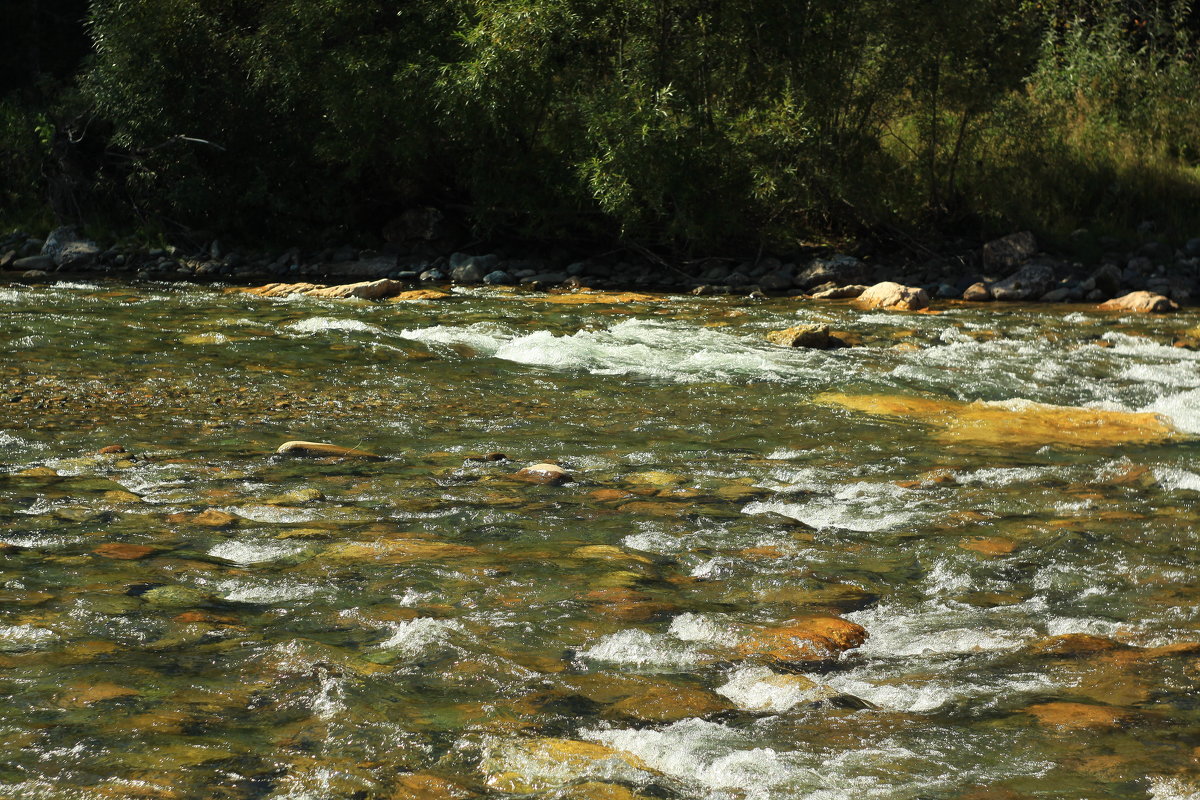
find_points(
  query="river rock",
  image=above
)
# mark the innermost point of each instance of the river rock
(548, 474)
(525, 766)
(399, 551)
(366, 290)
(123, 552)
(176, 596)
(419, 786)
(69, 250)
(1079, 715)
(805, 640)
(34, 264)
(212, 518)
(1141, 302)
(498, 277)
(893, 296)
(295, 497)
(839, 269)
(1009, 251)
(666, 704)
(298, 449)
(809, 336)
(847, 292)
(419, 294)
(1106, 279)
(1028, 283)
(1074, 645)
(1013, 423)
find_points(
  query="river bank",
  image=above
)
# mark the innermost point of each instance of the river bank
(1012, 268)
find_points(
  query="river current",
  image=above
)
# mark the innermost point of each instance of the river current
(1005, 498)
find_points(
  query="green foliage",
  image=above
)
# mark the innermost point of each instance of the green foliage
(694, 123)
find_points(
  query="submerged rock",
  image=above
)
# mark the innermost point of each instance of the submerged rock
(123, 552)
(419, 786)
(320, 450)
(663, 704)
(1141, 302)
(535, 765)
(893, 296)
(1079, 715)
(1014, 422)
(810, 336)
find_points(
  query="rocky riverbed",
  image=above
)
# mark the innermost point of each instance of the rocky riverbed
(483, 542)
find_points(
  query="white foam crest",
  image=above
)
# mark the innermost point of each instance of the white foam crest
(928, 696)
(654, 542)
(1182, 409)
(1004, 476)
(761, 689)
(705, 753)
(24, 637)
(641, 649)
(243, 552)
(266, 592)
(1173, 789)
(936, 629)
(320, 324)
(654, 349)
(416, 637)
(1177, 479)
(862, 507)
(274, 514)
(689, 627)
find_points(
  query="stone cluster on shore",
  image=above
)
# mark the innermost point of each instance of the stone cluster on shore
(1007, 269)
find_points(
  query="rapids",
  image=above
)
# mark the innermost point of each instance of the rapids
(196, 617)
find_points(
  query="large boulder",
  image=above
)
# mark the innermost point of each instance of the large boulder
(811, 336)
(70, 249)
(839, 269)
(1141, 302)
(1008, 252)
(848, 292)
(977, 293)
(894, 296)
(1028, 283)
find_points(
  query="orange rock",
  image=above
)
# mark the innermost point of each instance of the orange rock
(604, 495)
(1141, 302)
(419, 294)
(78, 696)
(1013, 422)
(1079, 715)
(124, 552)
(193, 617)
(111, 449)
(1074, 645)
(584, 298)
(805, 640)
(213, 518)
(427, 787)
(669, 704)
(989, 545)
(893, 296)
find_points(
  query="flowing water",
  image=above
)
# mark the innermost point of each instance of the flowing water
(197, 617)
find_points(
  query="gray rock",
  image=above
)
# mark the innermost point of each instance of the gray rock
(577, 269)
(1028, 283)
(839, 269)
(34, 262)
(1056, 295)
(378, 267)
(1107, 279)
(467, 272)
(1095, 295)
(432, 276)
(498, 278)
(1009, 252)
(546, 277)
(69, 249)
(738, 279)
(776, 280)
(1192, 248)
(947, 292)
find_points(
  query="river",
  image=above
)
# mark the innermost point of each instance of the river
(1004, 498)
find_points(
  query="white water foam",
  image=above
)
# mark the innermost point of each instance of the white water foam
(321, 324)
(24, 637)
(1176, 479)
(708, 628)
(419, 637)
(644, 650)
(654, 349)
(266, 592)
(762, 689)
(1173, 789)
(862, 507)
(244, 552)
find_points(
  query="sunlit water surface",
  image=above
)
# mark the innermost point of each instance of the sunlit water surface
(425, 626)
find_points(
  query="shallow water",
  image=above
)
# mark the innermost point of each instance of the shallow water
(352, 624)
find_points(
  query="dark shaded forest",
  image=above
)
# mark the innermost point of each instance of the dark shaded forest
(684, 125)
